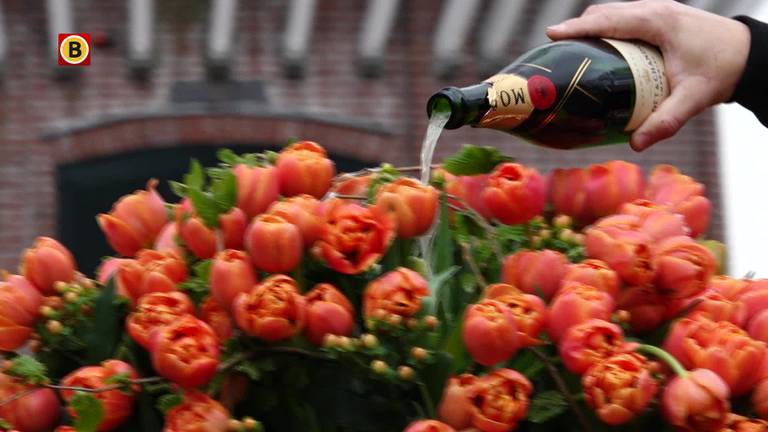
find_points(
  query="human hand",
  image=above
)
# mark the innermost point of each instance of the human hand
(704, 55)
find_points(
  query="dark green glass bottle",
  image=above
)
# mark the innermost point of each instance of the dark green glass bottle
(565, 95)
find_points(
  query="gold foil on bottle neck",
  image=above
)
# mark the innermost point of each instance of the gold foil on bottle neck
(509, 100)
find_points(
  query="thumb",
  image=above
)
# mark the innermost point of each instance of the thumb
(683, 103)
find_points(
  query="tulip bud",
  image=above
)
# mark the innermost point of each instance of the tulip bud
(680, 194)
(618, 241)
(328, 312)
(466, 191)
(577, 303)
(411, 204)
(683, 267)
(696, 402)
(304, 168)
(231, 274)
(304, 212)
(46, 263)
(274, 244)
(515, 193)
(455, 406)
(535, 272)
(134, 221)
(151, 271)
(528, 310)
(595, 273)
(257, 188)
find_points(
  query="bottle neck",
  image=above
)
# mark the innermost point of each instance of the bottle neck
(466, 105)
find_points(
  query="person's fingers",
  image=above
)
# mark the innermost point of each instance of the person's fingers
(684, 102)
(610, 20)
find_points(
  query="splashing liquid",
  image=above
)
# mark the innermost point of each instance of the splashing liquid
(441, 112)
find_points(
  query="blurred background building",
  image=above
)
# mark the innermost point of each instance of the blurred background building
(174, 79)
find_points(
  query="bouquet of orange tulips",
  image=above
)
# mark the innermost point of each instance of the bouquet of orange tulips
(279, 295)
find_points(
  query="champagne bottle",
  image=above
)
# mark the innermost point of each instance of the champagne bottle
(567, 94)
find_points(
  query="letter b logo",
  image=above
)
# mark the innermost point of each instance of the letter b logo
(74, 49)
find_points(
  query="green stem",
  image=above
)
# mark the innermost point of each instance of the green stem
(664, 356)
(563, 388)
(427, 400)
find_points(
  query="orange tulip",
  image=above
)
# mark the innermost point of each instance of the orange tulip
(683, 267)
(718, 307)
(197, 413)
(595, 273)
(596, 191)
(577, 303)
(155, 311)
(397, 292)
(354, 237)
(515, 193)
(46, 263)
(490, 333)
(535, 272)
(200, 239)
(754, 295)
(38, 411)
(697, 402)
(758, 326)
(135, 220)
(257, 188)
(760, 398)
(274, 310)
(186, 352)
(117, 404)
(304, 168)
(274, 244)
(217, 318)
(410, 203)
(109, 268)
(722, 347)
(619, 387)
(618, 241)
(590, 343)
(328, 312)
(468, 191)
(680, 194)
(151, 271)
(729, 287)
(231, 274)
(655, 220)
(737, 423)
(456, 406)
(167, 240)
(304, 212)
(501, 401)
(647, 308)
(20, 303)
(354, 186)
(528, 310)
(428, 426)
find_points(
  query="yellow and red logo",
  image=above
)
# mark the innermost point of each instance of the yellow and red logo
(74, 49)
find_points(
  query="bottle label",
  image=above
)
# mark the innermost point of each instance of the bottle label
(510, 102)
(651, 86)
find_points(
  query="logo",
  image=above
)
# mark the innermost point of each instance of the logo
(74, 49)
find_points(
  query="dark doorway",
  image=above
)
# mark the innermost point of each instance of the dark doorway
(90, 187)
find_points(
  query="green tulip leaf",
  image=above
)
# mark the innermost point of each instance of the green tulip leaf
(472, 160)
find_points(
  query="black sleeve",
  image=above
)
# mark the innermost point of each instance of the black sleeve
(752, 90)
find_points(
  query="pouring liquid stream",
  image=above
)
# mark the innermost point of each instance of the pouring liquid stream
(437, 121)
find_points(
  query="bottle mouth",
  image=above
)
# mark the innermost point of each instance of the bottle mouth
(465, 106)
(448, 100)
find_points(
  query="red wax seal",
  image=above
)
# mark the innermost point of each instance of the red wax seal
(542, 91)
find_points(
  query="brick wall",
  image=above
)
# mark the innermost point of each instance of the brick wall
(103, 110)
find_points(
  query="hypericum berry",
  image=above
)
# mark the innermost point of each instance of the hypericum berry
(579, 238)
(545, 234)
(345, 343)
(330, 341)
(379, 366)
(379, 314)
(370, 324)
(567, 235)
(71, 297)
(562, 221)
(412, 323)
(54, 326)
(405, 373)
(60, 286)
(621, 316)
(419, 353)
(394, 320)
(47, 311)
(431, 322)
(54, 302)
(250, 424)
(369, 341)
(234, 425)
